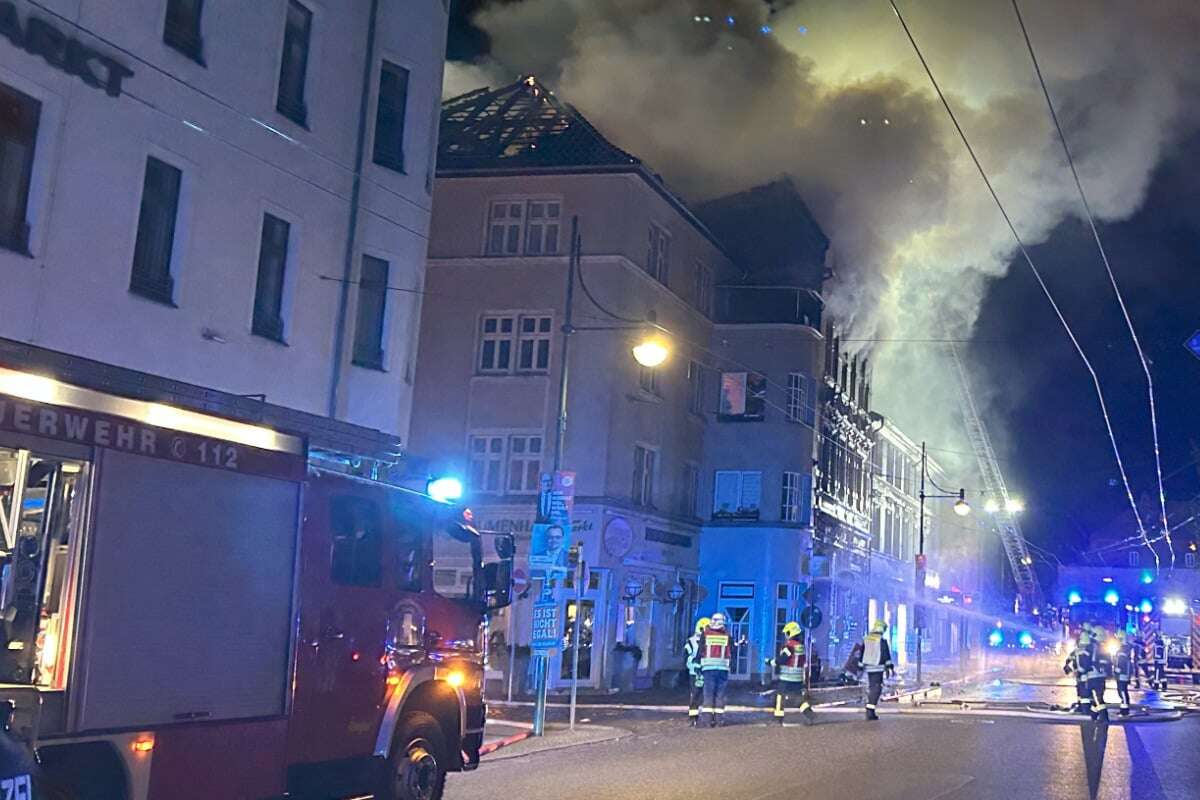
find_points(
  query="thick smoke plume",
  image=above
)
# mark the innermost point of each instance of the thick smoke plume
(720, 96)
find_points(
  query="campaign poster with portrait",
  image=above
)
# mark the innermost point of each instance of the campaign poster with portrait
(551, 535)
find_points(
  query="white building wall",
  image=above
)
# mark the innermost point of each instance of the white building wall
(217, 122)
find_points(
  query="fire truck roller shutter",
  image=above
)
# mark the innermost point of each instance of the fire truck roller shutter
(188, 608)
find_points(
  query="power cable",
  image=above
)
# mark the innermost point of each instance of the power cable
(1033, 268)
(1087, 207)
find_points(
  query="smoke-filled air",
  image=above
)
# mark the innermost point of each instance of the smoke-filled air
(720, 96)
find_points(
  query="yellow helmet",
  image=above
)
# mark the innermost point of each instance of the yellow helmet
(879, 627)
(1085, 638)
(791, 629)
(702, 623)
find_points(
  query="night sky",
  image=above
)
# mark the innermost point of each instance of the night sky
(1055, 451)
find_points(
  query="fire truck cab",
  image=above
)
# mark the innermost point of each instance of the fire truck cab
(194, 607)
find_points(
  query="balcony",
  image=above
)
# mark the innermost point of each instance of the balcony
(788, 305)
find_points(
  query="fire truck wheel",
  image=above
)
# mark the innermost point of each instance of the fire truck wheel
(419, 756)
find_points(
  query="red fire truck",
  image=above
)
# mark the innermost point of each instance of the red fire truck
(193, 607)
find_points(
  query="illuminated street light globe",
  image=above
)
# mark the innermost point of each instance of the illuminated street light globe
(651, 352)
(962, 507)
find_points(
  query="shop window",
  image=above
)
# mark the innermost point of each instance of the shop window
(19, 118)
(182, 28)
(644, 462)
(389, 116)
(272, 265)
(155, 243)
(372, 309)
(293, 66)
(357, 541)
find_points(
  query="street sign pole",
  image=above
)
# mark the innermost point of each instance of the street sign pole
(576, 635)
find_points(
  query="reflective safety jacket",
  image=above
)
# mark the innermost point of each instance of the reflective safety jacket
(716, 649)
(1123, 662)
(877, 655)
(790, 660)
(1085, 663)
(1160, 651)
(691, 651)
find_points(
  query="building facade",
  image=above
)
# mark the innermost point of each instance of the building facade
(517, 168)
(228, 195)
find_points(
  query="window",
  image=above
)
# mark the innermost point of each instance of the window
(293, 67)
(268, 292)
(533, 346)
(658, 254)
(495, 348)
(505, 223)
(789, 504)
(743, 397)
(648, 379)
(702, 291)
(643, 476)
(372, 306)
(410, 545)
(357, 541)
(690, 490)
(455, 553)
(155, 242)
(1135, 558)
(1189, 560)
(182, 28)
(535, 222)
(19, 117)
(695, 378)
(524, 464)
(389, 117)
(487, 464)
(796, 397)
(737, 494)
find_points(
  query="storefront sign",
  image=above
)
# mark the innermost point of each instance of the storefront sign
(63, 52)
(525, 525)
(94, 429)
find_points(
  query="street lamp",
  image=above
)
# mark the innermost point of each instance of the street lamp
(651, 351)
(962, 508)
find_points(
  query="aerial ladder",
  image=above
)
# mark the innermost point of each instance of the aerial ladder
(993, 482)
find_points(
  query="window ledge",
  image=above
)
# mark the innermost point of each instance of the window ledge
(371, 365)
(154, 295)
(295, 115)
(642, 396)
(191, 49)
(390, 164)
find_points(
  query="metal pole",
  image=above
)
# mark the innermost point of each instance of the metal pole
(919, 574)
(512, 647)
(539, 708)
(577, 634)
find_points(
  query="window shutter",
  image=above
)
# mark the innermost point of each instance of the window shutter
(726, 490)
(751, 495)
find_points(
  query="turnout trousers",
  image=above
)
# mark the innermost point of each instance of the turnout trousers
(874, 690)
(792, 693)
(715, 682)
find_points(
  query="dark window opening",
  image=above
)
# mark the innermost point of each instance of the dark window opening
(372, 306)
(268, 292)
(156, 232)
(293, 67)
(389, 117)
(357, 554)
(19, 117)
(182, 28)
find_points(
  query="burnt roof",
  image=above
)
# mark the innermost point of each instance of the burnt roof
(522, 125)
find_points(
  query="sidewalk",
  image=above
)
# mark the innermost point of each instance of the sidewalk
(507, 739)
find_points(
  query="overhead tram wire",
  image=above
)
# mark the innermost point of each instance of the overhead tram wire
(1087, 207)
(1024, 251)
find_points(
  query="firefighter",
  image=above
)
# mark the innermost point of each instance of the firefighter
(876, 659)
(691, 649)
(716, 653)
(1137, 657)
(789, 666)
(1123, 670)
(1159, 654)
(1074, 666)
(1089, 665)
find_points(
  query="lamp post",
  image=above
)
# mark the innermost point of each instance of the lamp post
(962, 509)
(650, 352)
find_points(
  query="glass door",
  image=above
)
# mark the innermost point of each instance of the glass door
(591, 631)
(737, 619)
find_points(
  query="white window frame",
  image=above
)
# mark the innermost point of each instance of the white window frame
(524, 227)
(1189, 560)
(642, 493)
(797, 389)
(505, 460)
(789, 501)
(648, 380)
(741, 491)
(518, 461)
(536, 337)
(490, 458)
(514, 337)
(658, 254)
(1135, 558)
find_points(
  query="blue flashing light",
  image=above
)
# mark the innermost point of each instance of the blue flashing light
(730, 21)
(1147, 578)
(995, 638)
(1112, 597)
(445, 490)
(1074, 598)
(1106, 580)
(1146, 607)
(1026, 639)
(765, 29)
(802, 29)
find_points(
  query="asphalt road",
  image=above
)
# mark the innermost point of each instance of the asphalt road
(948, 756)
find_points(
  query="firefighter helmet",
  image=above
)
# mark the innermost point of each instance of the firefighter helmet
(1085, 638)
(702, 623)
(718, 620)
(880, 627)
(791, 629)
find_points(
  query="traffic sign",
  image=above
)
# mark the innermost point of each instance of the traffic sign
(1193, 344)
(545, 626)
(520, 581)
(811, 617)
